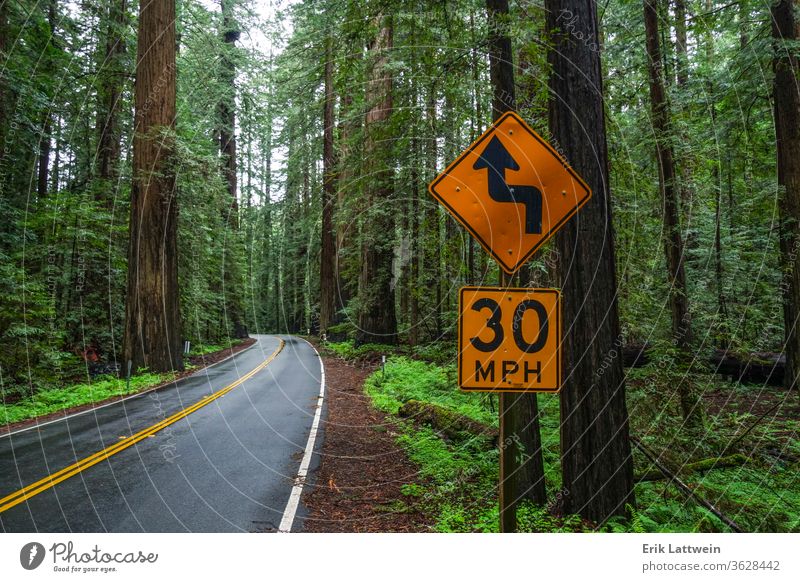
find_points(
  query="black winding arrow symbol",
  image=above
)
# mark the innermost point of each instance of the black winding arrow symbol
(496, 159)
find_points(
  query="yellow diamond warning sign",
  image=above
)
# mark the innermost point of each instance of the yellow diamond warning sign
(511, 190)
(509, 340)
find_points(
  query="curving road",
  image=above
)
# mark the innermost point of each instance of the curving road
(169, 461)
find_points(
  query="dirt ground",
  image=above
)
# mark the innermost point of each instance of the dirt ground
(362, 468)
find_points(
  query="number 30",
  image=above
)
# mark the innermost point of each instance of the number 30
(495, 324)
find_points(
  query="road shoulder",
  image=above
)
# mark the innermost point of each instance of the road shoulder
(357, 486)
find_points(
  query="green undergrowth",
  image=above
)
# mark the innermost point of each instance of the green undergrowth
(456, 483)
(372, 352)
(203, 349)
(17, 406)
(47, 401)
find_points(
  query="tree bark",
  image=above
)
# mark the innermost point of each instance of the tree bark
(152, 313)
(233, 291)
(682, 72)
(45, 141)
(327, 274)
(110, 93)
(377, 321)
(596, 460)
(662, 127)
(432, 254)
(786, 99)
(227, 108)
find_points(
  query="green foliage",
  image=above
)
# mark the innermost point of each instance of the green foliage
(46, 401)
(408, 379)
(457, 481)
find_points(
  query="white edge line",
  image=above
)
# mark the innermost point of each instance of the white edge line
(130, 397)
(297, 489)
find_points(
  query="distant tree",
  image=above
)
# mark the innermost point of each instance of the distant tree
(377, 321)
(327, 277)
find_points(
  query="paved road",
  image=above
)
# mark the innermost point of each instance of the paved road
(226, 466)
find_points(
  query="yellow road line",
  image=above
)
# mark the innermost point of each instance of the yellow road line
(33, 489)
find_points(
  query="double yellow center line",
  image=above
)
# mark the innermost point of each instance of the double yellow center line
(33, 489)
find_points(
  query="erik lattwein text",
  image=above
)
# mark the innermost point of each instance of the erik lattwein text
(685, 549)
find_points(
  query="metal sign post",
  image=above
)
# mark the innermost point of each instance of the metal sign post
(512, 191)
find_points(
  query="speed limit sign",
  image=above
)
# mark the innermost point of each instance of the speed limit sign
(509, 340)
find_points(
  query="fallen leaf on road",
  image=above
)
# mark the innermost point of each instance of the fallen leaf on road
(332, 485)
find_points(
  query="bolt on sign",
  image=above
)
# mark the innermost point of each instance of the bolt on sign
(511, 190)
(509, 340)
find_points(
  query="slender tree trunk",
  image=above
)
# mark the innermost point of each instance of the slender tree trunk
(786, 99)
(673, 242)
(45, 143)
(722, 308)
(5, 94)
(432, 258)
(233, 291)
(682, 68)
(152, 312)
(596, 457)
(44, 157)
(227, 108)
(377, 321)
(346, 227)
(414, 282)
(110, 93)
(327, 274)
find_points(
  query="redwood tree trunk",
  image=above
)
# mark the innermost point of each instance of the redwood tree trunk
(233, 291)
(227, 108)
(595, 452)
(327, 275)
(786, 27)
(673, 241)
(377, 321)
(110, 93)
(152, 314)
(45, 141)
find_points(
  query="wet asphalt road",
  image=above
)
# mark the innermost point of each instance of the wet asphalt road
(228, 466)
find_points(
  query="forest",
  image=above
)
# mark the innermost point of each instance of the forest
(179, 174)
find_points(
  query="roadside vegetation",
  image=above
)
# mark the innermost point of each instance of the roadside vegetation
(457, 479)
(16, 405)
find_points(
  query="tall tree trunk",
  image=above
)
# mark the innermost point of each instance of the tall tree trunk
(682, 68)
(432, 257)
(377, 321)
(327, 274)
(786, 97)
(233, 291)
(596, 460)
(722, 309)
(227, 107)
(522, 416)
(416, 251)
(45, 143)
(110, 93)
(5, 94)
(662, 127)
(346, 227)
(152, 312)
